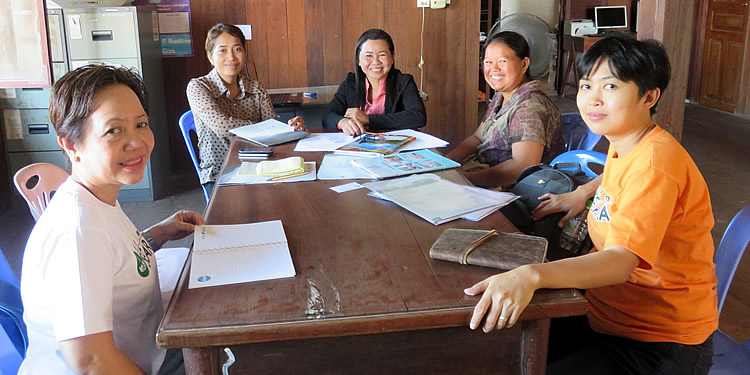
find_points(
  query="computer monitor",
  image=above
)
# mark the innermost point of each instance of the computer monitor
(611, 17)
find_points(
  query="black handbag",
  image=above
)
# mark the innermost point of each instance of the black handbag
(534, 182)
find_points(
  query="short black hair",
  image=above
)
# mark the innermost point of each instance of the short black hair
(513, 40)
(73, 96)
(644, 62)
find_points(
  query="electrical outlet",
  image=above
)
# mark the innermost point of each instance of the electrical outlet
(423, 3)
(437, 4)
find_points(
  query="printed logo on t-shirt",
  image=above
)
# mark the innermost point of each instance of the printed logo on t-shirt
(143, 254)
(600, 209)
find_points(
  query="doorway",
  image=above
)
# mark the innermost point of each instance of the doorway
(723, 54)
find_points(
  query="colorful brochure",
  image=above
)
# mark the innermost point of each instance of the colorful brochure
(375, 144)
(405, 163)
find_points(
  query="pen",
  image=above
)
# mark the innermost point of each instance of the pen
(476, 244)
(287, 176)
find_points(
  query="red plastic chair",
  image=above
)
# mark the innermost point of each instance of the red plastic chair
(44, 179)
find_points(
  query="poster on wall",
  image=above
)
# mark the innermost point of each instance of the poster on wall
(175, 33)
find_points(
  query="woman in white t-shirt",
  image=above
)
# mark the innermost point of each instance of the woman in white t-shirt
(89, 284)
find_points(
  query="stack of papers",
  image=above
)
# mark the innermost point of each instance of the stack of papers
(435, 199)
(230, 254)
(332, 141)
(269, 132)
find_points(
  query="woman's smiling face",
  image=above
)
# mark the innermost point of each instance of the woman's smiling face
(375, 59)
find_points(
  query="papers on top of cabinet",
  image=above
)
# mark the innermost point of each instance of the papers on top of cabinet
(231, 254)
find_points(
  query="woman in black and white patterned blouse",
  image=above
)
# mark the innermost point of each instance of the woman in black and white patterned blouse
(226, 98)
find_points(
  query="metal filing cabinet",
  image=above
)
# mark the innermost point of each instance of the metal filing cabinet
(128, 37)
(29, 135)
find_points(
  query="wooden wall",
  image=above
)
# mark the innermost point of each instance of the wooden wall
(298, 43)
(666, 21)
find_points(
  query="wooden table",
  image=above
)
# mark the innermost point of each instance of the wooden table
(367, 297)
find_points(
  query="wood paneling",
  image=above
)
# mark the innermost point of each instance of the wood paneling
(666, 20)
(298, 43)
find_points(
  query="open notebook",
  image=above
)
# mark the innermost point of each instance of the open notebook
(240, 253)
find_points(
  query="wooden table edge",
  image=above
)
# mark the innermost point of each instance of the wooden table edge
(344, 326)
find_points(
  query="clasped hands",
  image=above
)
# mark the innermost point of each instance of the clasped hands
(355, 122)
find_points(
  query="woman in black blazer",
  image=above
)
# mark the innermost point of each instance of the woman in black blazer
(377, 97)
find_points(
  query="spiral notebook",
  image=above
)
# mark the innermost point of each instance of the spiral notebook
(240, 253)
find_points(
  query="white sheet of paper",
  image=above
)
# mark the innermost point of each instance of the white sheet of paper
(267, 127)
(13, 127)
(332, 141)
(346, 187)
(339, 167)
(322, 142)
(230, 254)
(422, 141)
(502, 197)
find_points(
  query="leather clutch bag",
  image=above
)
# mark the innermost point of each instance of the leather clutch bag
(504, 251)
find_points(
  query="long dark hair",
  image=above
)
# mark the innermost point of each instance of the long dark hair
(359, 75)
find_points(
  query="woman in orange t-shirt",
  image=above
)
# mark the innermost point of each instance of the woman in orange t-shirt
(650, 278)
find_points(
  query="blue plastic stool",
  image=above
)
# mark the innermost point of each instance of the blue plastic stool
(577, 133)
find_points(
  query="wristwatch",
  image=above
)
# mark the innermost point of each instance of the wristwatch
(150, 240)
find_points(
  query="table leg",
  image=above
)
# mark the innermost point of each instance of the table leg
(534, 341)
(201, 360)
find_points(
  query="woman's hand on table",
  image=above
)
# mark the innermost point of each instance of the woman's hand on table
(357, 114)
(505, 297)
(175, 227)
(351, 126)
(298, 123)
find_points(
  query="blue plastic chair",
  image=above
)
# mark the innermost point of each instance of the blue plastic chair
(730, 357)
(187, 124)
(583, 158)
(577, 134)
(13, 336)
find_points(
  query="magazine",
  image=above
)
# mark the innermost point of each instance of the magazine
(405, 163)
(375, 144)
